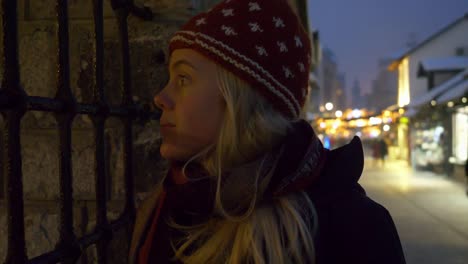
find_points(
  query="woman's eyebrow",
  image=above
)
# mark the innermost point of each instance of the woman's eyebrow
(182, 62)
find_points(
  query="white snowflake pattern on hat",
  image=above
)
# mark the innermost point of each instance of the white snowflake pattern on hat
(228, 12)
(298, 41)
(287, 72)
(255, 27)
(279, 23)
(301, 67)
(220, 33)
(282, 46)
(261, 51)
(229, 31)
(254, 6)
(200, 21)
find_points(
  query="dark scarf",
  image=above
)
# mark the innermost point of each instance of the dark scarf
(300, 158)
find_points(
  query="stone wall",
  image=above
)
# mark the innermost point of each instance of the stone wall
(39, 134)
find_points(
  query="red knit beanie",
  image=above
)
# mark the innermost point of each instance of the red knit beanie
(260, 41)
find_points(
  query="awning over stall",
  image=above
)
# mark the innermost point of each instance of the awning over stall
(438, 91)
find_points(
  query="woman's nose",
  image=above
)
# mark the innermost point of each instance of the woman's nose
(163, 101)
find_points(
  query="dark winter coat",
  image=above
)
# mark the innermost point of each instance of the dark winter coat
(352, 228)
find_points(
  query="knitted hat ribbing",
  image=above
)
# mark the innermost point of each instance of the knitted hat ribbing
(260, 41)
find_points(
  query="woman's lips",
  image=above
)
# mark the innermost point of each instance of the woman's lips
(166, 124)
(165, 128)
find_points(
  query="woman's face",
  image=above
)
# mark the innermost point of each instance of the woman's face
(192, 106)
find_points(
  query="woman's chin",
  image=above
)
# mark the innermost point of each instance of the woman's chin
(166, 152)
(172, 153)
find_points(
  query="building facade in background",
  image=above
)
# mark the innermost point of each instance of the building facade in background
(331, 82)
(433, 90)
(448, 42)
(384, 87)
(357, 99)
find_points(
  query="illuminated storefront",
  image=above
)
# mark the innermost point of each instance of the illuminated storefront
(460, 136)
(403, 83)
(428, 145)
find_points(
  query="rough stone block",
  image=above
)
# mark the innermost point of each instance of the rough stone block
(39, 150)
(115, 140)
(150, 167)
(149, 72)
(174, 11)
(82, 60)
(77, 9)
(40, 227)
(83, 155)
(41, 231)
(38, 59)
(118, 253)
(83, 57)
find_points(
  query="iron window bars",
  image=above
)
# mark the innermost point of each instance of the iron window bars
(14, 103)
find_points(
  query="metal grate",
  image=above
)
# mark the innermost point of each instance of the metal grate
(14, 103)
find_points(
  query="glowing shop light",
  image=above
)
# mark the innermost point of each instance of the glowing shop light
(403, 83)
(433, 102)
(450, 104)
(336, 124)
(329, 106)
(386, 128)
(360, 123)
(356, 113)
(323, 125)
(338, 113)
(375, 133)
(375, 121)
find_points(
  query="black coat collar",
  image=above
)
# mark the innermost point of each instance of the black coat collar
(341, 172)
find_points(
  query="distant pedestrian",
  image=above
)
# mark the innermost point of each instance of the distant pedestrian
(379, 152)
(383, 151)
(375, 152)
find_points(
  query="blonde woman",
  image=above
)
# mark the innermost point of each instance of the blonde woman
(249, 181)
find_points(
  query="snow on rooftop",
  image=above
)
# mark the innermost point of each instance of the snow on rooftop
(454, 93)
(439, 90)
(445, 64)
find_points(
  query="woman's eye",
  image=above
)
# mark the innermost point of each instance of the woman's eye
(182, 80)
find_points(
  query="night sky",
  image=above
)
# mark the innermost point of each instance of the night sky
(362, 31)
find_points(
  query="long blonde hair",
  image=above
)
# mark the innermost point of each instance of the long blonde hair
(278, 231)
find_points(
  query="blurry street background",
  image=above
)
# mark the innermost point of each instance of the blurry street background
(429, 210)
(395, 73)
